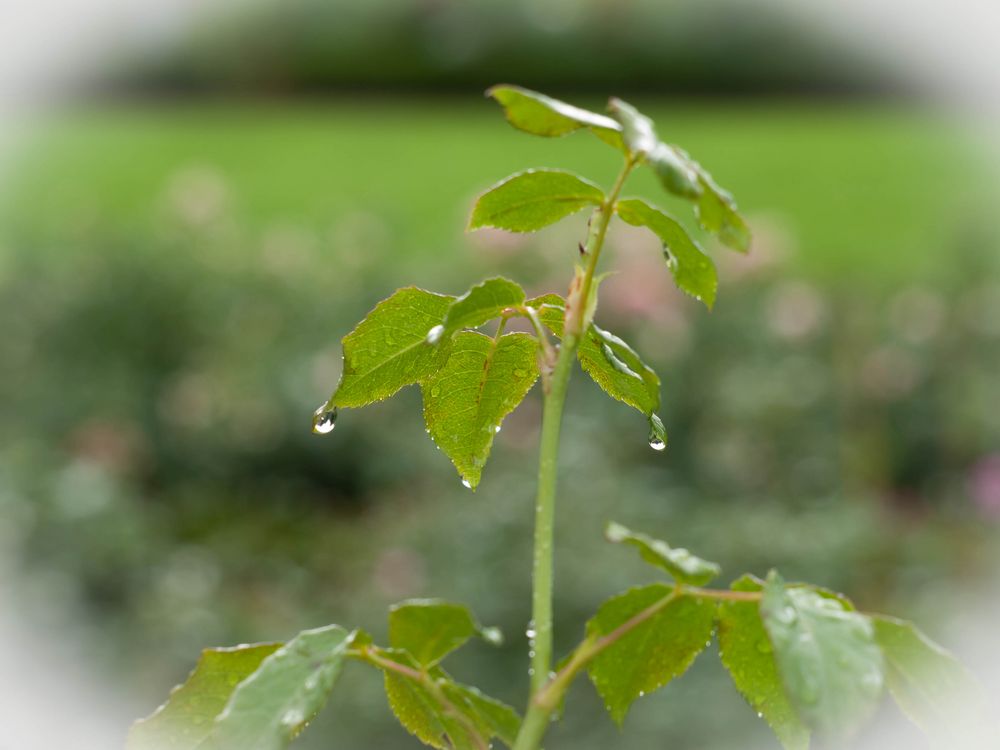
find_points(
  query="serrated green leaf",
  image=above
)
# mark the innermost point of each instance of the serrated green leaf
(637, 129)
(611, 363)
(656, 650)
(534, 199)
(747, 654)
(618, 369)
(484, 302)
(188, 715)
(674, 172)
(678, 562)
(389, 349)
(827, 657)
(693, 271)
(271, 707)
(930, 685)
(441, 712)
(496, 719)
(466, 401)
(539, 114)
(430, 629)
(717, 212)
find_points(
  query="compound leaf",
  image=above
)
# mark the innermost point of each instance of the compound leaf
(534, 199)
(539, 114)
(747, 654)
(272, 706)
(653, 650)
(678, 562)
(693, 271)
(466, 401)
(389, 348)
(482, 303)
(827, 656)
(188, 715)
(430, 629)
(927, 681)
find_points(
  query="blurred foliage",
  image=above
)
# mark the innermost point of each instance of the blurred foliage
(721, 46)
(174, 287)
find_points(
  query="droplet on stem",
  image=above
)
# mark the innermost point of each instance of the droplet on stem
(466, 483)
(324, 420)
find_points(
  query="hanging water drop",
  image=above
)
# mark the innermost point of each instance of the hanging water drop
(657, 433)
(466, 483)
(434, 335)
(656, 442)
(324, 420)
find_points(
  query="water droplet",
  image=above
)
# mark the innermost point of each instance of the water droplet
(656, 442)
(324, 420)
(530, 632)
(292, 717)
(466, 483)
(642, 693)
(760, 714)
(496, 428)
(434, 335)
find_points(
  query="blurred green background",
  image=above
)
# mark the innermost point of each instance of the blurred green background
(183, 246)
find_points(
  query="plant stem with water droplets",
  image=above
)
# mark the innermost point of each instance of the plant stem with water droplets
(536, 719)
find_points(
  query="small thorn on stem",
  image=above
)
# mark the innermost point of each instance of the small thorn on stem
(583, 250)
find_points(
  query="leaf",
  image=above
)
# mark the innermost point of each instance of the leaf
(551, 312)
(539, 114)
(498, 719)
(747, 654)
(430, 629)
(389, 349)
(482, 303)
(466, 401)
(653, 651)
(827, 657)
(930, 685)
(272, 706)
(679, 563)
(716, 210)
(611, 363)
(534, 199)
(693, 271)
(618, 369)
(674, 172)
(637, 129)
(188, 715)
(441, 712)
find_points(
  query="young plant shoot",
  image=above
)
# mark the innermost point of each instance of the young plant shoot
(803, 658)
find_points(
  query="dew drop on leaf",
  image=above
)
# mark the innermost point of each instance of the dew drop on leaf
(434, 335)
(324, 420)
(466, 483)
(496, 428)
(656, 442)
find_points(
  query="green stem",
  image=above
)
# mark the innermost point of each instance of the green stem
(537, 718)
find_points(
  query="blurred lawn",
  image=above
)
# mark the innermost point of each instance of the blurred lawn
(868, 192)
(175, 281)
